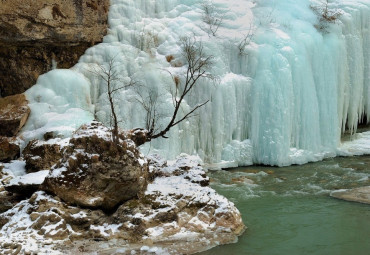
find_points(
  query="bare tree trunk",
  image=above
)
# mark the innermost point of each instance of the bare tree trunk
(197, 65)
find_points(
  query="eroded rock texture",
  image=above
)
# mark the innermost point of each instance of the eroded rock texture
(34, 34)
(14, 112)
(97, 173)
(8, 149)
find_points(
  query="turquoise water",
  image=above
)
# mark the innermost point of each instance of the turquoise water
(289, 211)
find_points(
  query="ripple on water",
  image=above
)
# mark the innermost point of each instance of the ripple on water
(289, 210)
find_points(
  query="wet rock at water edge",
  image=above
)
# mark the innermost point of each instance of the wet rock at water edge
(361, 195)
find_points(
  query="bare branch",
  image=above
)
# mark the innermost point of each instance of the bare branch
(198, 64)
(326, 15)
(114, 83)
(211, 17)
(246, 40)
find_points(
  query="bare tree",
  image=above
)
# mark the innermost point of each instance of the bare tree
(326, 15)
(114, 82)
(198, 64)
(211, 17)
(245, 41)
(150, 101)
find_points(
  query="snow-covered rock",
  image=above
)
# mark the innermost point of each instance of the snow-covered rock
(95, 171)
(177, 214)
(40, 155)
(25, 185)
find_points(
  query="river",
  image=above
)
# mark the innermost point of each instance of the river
(288, 210)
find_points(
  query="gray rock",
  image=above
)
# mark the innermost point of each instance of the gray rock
(361, 195)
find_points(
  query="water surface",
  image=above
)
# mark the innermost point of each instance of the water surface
(289, 211)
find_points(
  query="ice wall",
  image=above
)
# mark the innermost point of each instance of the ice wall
(283, 99)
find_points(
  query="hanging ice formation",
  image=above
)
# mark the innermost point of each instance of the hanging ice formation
(285, 97)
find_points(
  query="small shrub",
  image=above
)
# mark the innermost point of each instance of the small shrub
(326, 15)
(211, 17)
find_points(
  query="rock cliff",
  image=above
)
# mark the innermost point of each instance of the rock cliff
(36, 35)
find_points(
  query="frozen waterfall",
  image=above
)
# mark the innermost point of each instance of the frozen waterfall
(285, 98)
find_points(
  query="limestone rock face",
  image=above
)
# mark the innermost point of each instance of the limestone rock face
(40, 155)
(34, 33)
(94, 172)
(14, 112)
(8, 150)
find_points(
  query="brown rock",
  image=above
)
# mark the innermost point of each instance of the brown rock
(40, 155)
(97, 173)
(8, 150)
(32, 35)
(14, 112)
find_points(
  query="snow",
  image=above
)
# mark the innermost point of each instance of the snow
(106, 229)
(28, 237)
(285, 100)
(360, 145)
(31, 178)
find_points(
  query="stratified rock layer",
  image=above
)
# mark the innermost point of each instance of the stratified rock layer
(34, 34)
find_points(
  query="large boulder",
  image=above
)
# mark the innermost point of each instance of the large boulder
(95, 172)
(36, 35)
(14, 112)
(9, 150)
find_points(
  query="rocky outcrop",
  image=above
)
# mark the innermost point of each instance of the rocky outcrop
(177, 214)
(361, 195)
(96, 172)
(8, 149)
(34, 35)
(14, 112)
